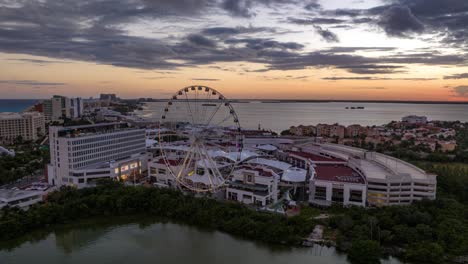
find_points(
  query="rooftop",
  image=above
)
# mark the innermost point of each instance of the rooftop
(267, 147)
(9, 115)
(7, 195)
(271, 163)
(261, 171)
(314, 157)
(294, 175)
(337, 173)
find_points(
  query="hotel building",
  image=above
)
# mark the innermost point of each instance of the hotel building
(82, 154)
(28, 125)
(60, 107)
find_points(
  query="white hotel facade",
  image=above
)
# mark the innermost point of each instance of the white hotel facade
(82, 154)
(28, 125)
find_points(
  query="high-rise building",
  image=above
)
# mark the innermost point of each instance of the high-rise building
(81, 154)
(108, 97)
(60, 107)
(28, 125)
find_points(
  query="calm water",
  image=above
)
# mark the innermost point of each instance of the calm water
(280, 116)
(158, 243)
(15, 105)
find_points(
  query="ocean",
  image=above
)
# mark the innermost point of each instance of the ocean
(16, 105)
(280, 116)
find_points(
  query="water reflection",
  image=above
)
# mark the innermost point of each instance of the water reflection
(150, 242)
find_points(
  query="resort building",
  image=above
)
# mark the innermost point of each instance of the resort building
(82, 154)
(387, 180)
(254, 184)
(303, 130)
(337, 131)
(298, 169)
(28, 126)
(159, 173)
(356, 131)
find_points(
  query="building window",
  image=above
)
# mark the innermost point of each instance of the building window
(355, 196)
(320, 193)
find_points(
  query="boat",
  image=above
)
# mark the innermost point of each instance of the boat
(355, 107)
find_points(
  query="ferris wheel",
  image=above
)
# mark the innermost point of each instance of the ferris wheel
(200, 138)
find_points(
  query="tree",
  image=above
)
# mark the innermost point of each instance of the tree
(364, 252)
(425, 252)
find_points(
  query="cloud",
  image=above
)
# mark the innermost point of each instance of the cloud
(31, 83)
(461, 91)
(36, 61)
(315, 21)
(205, 79)
(456, 76)
(238, 7)
(313, 5)
(231, 31)
(370, 88)
(262, 44)
(372, 69)
(97, 31)
(326, 34)
(399, 21)
(370, 78)
(201, 41)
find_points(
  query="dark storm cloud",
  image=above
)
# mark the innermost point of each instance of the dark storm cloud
(201, 40)
(399, 21)
(456, 76)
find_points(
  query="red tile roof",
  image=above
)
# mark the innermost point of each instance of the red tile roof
(169, 161)
(314, 157)
(337, 173)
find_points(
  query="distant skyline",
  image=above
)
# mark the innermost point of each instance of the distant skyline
(274, 49)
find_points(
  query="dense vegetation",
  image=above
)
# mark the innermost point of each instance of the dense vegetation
(426, 232)
(452, 180)
(29, 158)
(112, 199)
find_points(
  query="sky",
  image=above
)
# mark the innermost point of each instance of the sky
(271, 49)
